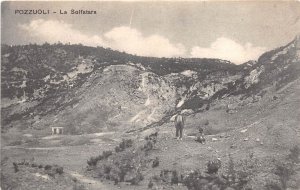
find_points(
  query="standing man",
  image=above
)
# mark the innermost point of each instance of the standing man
(179, 124)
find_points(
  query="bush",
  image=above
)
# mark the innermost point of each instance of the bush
(59, 170)
(48, 167)
(148, 146)
(192, 180)
(272, 186)
(77, 186)
(209, 180)
(150, 184)
(155, 162)
(152, 137)
(169, 176)
(239, 179)
(124, 167)
(284, 172)
(94, 160)
(294, 154)
(50, 173)
(150, 142)
(175, 178)
(136, 178)
(16, 168)
(106, 154)
(126, 143)
(213, 166)
(198, 181)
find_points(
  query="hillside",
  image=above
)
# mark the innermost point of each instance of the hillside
(99, 89)
(40, 81)
(104, 98)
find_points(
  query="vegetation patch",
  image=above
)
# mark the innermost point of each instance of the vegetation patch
(285, 172)
(127, 163)
(197, 180)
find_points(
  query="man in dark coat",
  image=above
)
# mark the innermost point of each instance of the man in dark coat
(179, 125)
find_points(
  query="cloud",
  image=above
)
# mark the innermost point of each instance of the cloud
(132, 41)
(224, 48)
(122, 38)
(53, 31)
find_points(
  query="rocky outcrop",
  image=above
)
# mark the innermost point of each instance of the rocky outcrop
(89, 89)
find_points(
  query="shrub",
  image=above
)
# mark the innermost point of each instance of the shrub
(16, 168)
(233, 180)
(106, 154)
(294, 154)
(152, 136)
(231, 175)
(125, 166)
(150, 142)
(272, 186)
(155, 162)
(206, 122)
(175, 178)
(150, 184)
(126, 143)
(197, 181)
(148, 146)
(48, 167)
(191, 181)
(166, 176)
(50, 173)
(107, 169)
(94, 160)
(137, 177)
(77, 186)
(4, 160)
(213, 166)
(239, 178)
(40, 166)
(59, 170)
(284, 172)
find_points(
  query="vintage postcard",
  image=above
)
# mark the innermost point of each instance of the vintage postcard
(175, 95)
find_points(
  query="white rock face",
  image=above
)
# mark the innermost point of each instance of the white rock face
(160, 98)
(253, 77)
(187, 111)
(188, 73)
(181, 102)
(80, 69)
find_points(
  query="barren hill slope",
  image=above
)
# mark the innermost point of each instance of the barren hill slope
(92, 89)
(250, 115)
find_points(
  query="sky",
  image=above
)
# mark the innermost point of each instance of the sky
(234, 31)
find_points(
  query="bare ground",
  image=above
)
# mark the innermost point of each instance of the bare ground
(263, 131)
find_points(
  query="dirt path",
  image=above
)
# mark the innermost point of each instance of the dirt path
(90, 183)
(34, 148)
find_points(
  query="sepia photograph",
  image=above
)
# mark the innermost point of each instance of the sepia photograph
(150, 95)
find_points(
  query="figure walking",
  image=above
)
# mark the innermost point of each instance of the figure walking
(179, 125)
